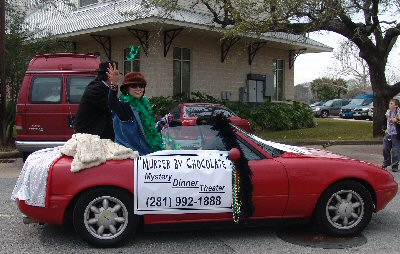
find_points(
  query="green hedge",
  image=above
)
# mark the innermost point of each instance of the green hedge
(262, 116)
(275, 116)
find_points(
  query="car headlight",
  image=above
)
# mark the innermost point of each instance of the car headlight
(317, 109)
(365, 109)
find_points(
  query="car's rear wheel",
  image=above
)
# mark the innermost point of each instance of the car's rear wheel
(344, 209)
(104, 216)
(324, 114)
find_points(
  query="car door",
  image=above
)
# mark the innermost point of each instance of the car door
(270, 183)
(336, 106)
(270, 188)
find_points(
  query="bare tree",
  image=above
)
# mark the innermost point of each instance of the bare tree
(302, 93)
(369, 24)
(351, 64)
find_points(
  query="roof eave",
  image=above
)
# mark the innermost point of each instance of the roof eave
(157, 20)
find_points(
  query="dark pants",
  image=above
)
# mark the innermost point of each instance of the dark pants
(391, 149)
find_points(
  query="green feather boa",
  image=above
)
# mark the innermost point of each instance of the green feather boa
(143, 107)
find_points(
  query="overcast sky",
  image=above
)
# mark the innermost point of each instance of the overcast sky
(308, 67)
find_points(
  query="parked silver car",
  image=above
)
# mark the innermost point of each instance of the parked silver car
(331, 107)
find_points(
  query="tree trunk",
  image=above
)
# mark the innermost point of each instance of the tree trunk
(380, 106)
(3, 88)
(382, 95)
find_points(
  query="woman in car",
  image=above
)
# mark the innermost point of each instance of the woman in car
(132, 114)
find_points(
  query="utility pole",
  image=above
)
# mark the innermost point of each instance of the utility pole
(3, 91)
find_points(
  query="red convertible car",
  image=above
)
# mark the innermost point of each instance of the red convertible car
(197, 185)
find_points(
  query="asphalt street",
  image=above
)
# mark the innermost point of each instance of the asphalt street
(381, 236)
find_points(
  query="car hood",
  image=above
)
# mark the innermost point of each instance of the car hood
(361, 107)
(313, 153)
(351, 106)
(322, 107)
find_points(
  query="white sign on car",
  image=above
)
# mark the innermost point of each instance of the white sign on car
(186, 183)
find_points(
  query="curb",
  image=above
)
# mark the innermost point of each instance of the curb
(324, 143)
(10, 154)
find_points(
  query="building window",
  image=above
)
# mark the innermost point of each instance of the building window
(131, 65)
(87, 2)
(181, 83)
(279, 74)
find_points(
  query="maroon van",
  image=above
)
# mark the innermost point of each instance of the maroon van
(49, 98)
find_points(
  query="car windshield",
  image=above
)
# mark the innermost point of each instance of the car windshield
(318, 103)
(198, 137)
(204, 137)
(206, 110)
(356, 101)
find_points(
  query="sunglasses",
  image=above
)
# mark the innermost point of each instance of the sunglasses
(137, 85)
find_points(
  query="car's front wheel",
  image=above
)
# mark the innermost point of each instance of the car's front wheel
(324, 114)
(104, 216)
(344, 209)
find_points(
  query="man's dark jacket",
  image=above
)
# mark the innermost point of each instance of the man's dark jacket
(94, 115)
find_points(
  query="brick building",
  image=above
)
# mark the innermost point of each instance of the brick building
(181, 53)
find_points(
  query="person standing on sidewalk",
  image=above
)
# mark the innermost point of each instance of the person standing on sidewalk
(391, 140)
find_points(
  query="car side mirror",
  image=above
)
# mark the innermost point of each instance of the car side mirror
(234, 154)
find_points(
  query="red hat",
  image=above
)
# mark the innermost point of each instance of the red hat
(133, 78)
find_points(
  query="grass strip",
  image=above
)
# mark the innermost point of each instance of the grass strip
(327, 129)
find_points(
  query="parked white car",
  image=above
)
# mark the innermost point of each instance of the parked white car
(363, 112)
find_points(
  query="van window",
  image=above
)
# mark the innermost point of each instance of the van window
(46, 90)
(76, 87)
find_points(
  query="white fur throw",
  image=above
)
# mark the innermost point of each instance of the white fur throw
(89, 151)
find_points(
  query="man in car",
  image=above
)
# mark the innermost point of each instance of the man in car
(94, 115)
